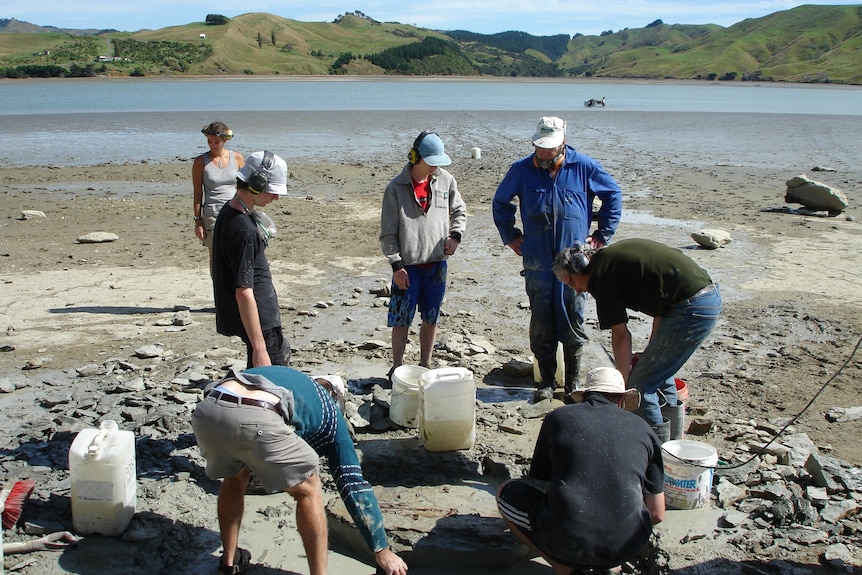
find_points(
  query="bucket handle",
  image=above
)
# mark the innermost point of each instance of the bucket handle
(686, 461)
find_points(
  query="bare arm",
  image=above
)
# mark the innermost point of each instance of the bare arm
(240, 161)
(198, 195)
(251, 322)
(655, 504)
(621, 343)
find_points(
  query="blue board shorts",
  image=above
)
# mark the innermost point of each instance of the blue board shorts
(426, 290)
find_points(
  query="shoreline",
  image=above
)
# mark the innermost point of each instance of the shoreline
(420, 79)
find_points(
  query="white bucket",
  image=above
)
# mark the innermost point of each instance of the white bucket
(103, 479)
(447, 409)
(560, 375)
(404, 405)
(688, 470)
(476, 153)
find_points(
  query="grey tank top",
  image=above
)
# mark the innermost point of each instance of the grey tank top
(219, 184)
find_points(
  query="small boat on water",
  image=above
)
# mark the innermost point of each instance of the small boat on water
(592, 102)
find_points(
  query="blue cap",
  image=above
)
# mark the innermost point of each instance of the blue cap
(431, 150)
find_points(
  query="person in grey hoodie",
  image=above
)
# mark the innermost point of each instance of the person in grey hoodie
(422, 222)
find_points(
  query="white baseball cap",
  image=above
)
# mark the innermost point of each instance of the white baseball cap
(550, 132)
(274, 174)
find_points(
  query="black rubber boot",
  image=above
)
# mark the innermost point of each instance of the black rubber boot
(572, 359)
(676, 415)
(662, 430)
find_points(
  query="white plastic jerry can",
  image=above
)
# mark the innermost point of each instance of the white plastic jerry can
(447, 409)
(103, 479)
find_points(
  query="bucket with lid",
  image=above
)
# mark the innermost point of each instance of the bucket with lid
(688, 470)
(404, 404)
(103, 479)
(447, 409)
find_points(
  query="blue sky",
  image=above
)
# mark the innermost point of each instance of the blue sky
(538, 17)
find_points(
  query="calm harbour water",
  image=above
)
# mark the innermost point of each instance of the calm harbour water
(81, 122)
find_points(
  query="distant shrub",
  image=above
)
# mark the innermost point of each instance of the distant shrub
(37, 71)
(216, 20)
(156, 52)
(338, 67)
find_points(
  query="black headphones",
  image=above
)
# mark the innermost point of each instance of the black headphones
(414, 155)
(259, 179)
(579, 262)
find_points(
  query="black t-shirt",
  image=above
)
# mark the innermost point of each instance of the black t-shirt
(599, 460)
(641, 275)
(239, 261)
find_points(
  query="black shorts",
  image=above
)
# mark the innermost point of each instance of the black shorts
(277, 347)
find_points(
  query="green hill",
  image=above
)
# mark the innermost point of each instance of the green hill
(805, 44)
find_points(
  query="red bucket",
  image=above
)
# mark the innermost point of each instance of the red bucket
(681, 390)
(681, 387)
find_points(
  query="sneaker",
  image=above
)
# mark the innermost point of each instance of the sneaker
(242, 559)
(255, 487)
(542, 394)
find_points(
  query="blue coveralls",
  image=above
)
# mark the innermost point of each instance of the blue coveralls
(556, 213)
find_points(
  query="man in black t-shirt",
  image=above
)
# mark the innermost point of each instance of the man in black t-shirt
(658, 280)
(245, 300)
(596, 483)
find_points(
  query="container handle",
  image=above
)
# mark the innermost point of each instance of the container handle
(105, 428)
(445, 373)
(96, 446)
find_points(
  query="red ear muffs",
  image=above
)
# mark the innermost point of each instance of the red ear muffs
(556, 164)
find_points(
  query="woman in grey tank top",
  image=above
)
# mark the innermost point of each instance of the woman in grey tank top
(213, 180)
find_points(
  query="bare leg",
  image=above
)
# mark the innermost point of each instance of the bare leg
(427, 336)
(558, 568)
(311, 523)
(231, 502)
(399, 343)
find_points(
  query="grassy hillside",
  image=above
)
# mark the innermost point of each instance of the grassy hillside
(805, 44)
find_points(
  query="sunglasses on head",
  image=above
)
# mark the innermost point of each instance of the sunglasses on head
(207, 131)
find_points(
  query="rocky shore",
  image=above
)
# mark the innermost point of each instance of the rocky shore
(124, 330)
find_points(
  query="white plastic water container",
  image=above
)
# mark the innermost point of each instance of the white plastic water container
(447, 409)
(104, 479)
(688, 470)
(476, 153)
(560, 375)
(404, 405)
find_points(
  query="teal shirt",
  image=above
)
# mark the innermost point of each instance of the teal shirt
(318, 421)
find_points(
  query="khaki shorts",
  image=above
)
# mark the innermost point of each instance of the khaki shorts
(231, 435)
(209, 226)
